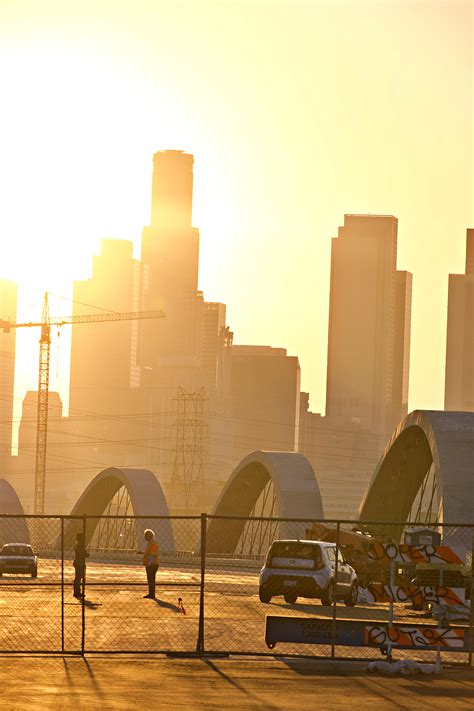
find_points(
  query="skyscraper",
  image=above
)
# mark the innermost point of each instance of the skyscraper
(104, 355)
(459, 384)
(8, 303)
(169, 264)
(265, 399)
(105, 374)
(369, 326)
(190, 348)
(170, 245)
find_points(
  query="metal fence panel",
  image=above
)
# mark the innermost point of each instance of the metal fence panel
(412, 584)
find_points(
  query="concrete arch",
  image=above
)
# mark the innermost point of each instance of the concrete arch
(146, 495)
(12, 530)
(424, 439)
(296, 489)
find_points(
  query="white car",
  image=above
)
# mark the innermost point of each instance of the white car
(18, 558)
(307, 569)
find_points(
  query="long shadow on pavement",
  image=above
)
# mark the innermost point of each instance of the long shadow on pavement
(238, 686)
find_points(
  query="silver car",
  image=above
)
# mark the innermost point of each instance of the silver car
(18, 558)
(307, 569)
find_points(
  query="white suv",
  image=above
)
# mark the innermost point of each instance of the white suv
(307, 569)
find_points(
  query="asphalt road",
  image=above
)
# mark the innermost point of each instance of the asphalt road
(124, 683)
(117, 618)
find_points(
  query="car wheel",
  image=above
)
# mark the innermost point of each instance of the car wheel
(351, 599)
(290, 597)
(264, 595)
(327, 598)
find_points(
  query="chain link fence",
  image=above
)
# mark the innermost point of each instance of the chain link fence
(232, 585)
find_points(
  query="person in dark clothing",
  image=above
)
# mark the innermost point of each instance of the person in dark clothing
(150, 561)
(80, 555)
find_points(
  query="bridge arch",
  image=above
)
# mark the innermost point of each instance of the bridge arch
(12, 530)
(296, 495)
(424, 440)
(146, 497)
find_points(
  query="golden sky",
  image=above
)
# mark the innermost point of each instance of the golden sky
(296, 113)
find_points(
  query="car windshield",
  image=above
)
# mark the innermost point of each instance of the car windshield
(17, 550)
(294, 550)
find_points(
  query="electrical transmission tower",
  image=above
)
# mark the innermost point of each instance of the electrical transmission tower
(187, 481)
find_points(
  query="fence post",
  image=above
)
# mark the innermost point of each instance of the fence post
(83, 591)
(333, 644)
(62, 584)
(200, 639)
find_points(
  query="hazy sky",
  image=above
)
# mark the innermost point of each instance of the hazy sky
(296, 113)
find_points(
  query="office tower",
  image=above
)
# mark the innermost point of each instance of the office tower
(104, 355)
(216, 348)
(8, 303)
(169, 263)
(105, 374)
(265, 384)
(23, 469)
(190, 348)
(369, 326)
(459, 384)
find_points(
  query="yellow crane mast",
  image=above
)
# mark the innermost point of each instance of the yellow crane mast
(43, 377)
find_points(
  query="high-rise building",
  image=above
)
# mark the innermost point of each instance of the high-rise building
(369, 326)
(105, 373)
(459, 384)
(58, 483)
(170, 263)
(8, 304)
(125, 376)
(265, 399)
(190, 348)
(104, 356)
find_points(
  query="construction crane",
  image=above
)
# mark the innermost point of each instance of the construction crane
(43, 377)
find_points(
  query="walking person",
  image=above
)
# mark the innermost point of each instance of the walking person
(80, 555)
(150, 561)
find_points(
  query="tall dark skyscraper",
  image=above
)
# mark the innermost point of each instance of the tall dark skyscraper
(121, 370)
(459, 385)
(170, 245)
(170, 264)
(368, 362)
(369, 326)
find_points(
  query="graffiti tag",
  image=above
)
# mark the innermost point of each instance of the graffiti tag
(402, 553)
(376, 592)
(381, 635)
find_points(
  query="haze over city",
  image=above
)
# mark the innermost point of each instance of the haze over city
(286, 141)
(237, 354)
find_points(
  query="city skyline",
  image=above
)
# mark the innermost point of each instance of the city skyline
(271, 185)
(251, 393)
(236, 353)
(128, 246)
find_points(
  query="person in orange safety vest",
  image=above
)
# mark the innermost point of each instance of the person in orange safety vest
(150, 561)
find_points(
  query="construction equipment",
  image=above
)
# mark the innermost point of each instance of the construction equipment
(43, 377)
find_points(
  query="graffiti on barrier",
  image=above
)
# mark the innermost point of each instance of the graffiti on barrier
(386, 553)
(376, 592)
(362, 633)
(381, 635)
